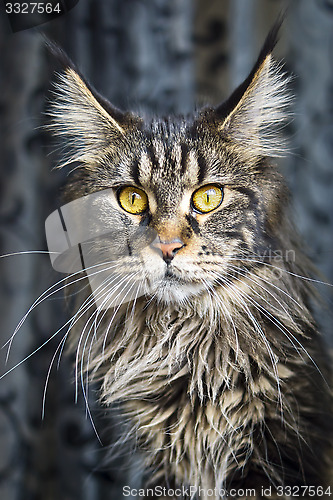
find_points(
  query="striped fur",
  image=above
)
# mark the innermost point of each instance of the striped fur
(218, 364)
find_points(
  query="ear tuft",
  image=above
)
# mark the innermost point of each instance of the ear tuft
(253, 116)
(88, 125)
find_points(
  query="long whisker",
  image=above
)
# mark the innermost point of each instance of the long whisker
(306, 278)
(94, 325)
(99, 292)
(96, 293)
(139, 290)
(247, 275)
(280, 325)
(286, 332)
(225, 313)
(259, 330)
(68, 322)
(45, 295)
(114, 314)
(60, 346)
(83, 385)
(106, 301)
(27, 252)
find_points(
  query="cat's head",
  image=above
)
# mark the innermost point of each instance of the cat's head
(187, 200)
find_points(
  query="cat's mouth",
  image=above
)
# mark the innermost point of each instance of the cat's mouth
(172, 287)
(176, 277)
(171, 276)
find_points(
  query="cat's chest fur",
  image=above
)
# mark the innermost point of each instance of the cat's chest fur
(189, 393)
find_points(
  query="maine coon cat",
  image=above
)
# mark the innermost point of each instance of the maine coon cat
(216, 361)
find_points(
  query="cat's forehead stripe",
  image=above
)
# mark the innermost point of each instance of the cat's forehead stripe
(174, 160)
(197, 165)
(201, 167)
(179, 162)
(184, 158)
(145, 166)
(176, 154)
(158, 147)
(135, 168)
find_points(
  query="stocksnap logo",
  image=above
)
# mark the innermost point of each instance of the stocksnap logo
(89, 234)
(23, 15)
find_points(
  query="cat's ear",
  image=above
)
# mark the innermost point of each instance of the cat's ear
(88, 126)
(252, 118)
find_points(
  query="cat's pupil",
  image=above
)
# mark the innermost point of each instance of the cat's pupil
(209, 193)
(133, 198)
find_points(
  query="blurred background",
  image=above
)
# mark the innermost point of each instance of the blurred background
(159, 56)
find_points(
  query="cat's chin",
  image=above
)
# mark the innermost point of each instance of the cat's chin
(176, 292)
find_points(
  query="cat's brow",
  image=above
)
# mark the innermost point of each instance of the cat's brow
(180, 162)
(144, 167)
(202, 167)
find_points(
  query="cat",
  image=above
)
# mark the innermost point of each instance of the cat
(217, 361)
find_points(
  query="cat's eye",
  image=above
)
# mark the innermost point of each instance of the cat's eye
(133, 200)
(207, 198)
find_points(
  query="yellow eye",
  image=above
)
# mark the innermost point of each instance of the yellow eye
(133, 200)
(207, 198)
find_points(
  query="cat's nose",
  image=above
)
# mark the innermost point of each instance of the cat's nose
(169, 248)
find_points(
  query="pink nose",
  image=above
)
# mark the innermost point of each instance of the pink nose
(169, 248)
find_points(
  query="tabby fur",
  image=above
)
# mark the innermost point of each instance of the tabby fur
(219, 368)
